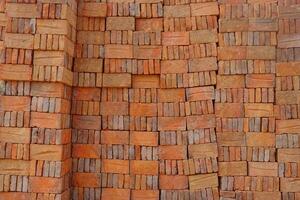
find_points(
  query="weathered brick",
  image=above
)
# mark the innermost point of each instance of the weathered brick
(51, 26)
(46, 185)
(175, 182)
(55, 58)
(14, 103)
(88, 37)
(287, 97)
(265, 195)
(15, 135)
(290, 184)
(200, 93)
(15, 40)
(15, 72)
(144, 194)
(203, 64)
(47, 152)
(288, 69)
(86, 122)
(120, 23)
(114, 108)
(16, 167)
(47, 120)
(22, 10)
(288, 40)
(288, 126)
(88, 65)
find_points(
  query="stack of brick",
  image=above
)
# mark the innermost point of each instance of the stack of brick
(287, 99)
(244, 100)
(188, 148)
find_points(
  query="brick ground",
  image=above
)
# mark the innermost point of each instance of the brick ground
(150, 99)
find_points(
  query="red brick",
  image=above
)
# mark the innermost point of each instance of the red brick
(258, 110)
(171, 95)
(229, 110)
(175, 38)
(202, 9)
(145, 167)
(86, 180)
(174, 66)
(47, 89)
(232, 81)
(143, 138)
(145, 81)
(86, 122)
(147, 52)
(171, 123)
(15, 135)
(88, 65)
(112, 193)
(237, 168)
(288, 155)
(15, 195)
(200, 93)
(15, 72)
(14, 103)
(92, 9)
(144, 194)
(203, 150)
(115, 166)
(48, 152)
(120, 23)
(260, 139)
(263, 169)
(149, 25)
(114, 137)
(204, 121)
(86, 151)
(117, 80)
(203, 64)
(175, 152)
(47, 120)
(143, 109)
(86, 94)
(46, 185)
(175, 182)
(114, 108)
(118, 51)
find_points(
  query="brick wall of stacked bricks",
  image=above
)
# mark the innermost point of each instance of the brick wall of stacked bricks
(149, 99)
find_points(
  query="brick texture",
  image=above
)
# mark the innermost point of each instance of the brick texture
(150, 99)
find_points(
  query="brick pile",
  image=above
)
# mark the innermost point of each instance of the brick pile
(149, 99)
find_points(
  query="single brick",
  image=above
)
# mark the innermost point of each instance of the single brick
(174, 182)
(120, 23)
(263, 169)
(117, 80)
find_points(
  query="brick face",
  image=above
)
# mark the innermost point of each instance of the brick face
(149, 99)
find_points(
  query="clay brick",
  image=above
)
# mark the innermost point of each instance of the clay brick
(15, 72)
(234, 81)
(88, 65)
(288, 69)
(144, 194)
(265, 25)
(143, 109)
(231, 139)
(260, 139)
(86, 122)
(117, 80)
(177, 11)
(145, 81)
(203, 64)
(55, 58)
(288, 126)
(174, 66)
(46, 185)
(112, 193)
(86, 180)
(229, 110)
(86, 151)
(114, 108)
(118, 51)
(47, 89)
(175, 152)
(232, 53)
(14, 103)
(175, 182)
(290, 184)
(200, 93)
(86, 94)
(149, 25)
(120, 23)
(115, 166)
(261, 52)
(144, 138)
(233, 25)
(91, 9)
(288, 155)
(204, 121)
(263, 169)
(147, 52)
(14, 40)
(238, 168)
(171, 95)
(15, 135)
(258, 110)
(203, 150)
(22, 10)
(201, 181)
(287, 97)
(114, 137)
(203, 36)
(15, 167)
(288, 11)
(15, 195)
(90, 37)
(47, 120)
(50, 26)
(265, 195)
(288, 40)
(46, 152)
(145, 167)
(202, 9)
(171, 123)
(175, 38)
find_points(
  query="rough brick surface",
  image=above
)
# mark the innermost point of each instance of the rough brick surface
(150, 99)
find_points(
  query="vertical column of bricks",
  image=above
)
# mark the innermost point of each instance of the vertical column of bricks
(86, 107)
(287, 99)
(245, 98)
(186, 120)
(51, 88)
(17, 29)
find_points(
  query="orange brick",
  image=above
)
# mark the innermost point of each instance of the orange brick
(232, 53)
(15, 135)
(47, 120)
(15, 72)
(237, 168)
(145, 81)
(86, 180)
(48, 152)
(171, 123)
(288, 155)
(175, 38)
(147, 52)
(204, 121)
(15, 167)
(260, 139)
(114, 137)
(231, 139)
(145, 167)
(201, 181)
(86, 122)
(266, 195)
(144, 194)
(174, 66)
(118, 51)
(149, 25)
(22, 10)
(232, 81)
(177, 11)
(88, 65)
(91, 9)
(114, 108)
(47, 89)
(86, 94)
(288, 69)
(287, 97)
(143, 109)
(115, 166)
(177, 152)
(229, 110)
(15, 40)
(203, 64)
(290, 184)
(258, 110)
(200, 93)
(171, 95)
(288, 126)
(120, 23)
(203, 36)
(203, 150)
(263, 168)
(261, 52)
(260, 80)
(175, 182)
(143, 138)
(15, 195)
(86, 151)
(112, 193)
(202, 9)
(117, 80)
(14, 103)
(46, 185)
